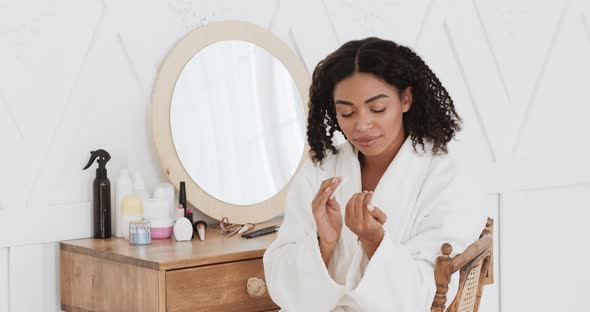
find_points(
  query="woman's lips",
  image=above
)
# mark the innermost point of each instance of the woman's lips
(367, 141)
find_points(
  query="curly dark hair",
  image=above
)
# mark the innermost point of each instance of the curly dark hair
(431, 118)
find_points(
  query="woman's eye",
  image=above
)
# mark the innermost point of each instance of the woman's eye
(378, 110)
(346, 115)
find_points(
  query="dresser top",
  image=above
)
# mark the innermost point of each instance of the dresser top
(168, 254)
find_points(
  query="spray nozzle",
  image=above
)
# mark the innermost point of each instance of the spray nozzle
(102, 156)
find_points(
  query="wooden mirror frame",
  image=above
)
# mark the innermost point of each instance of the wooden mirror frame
(168, 74)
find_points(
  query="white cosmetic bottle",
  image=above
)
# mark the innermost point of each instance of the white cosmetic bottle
(123, 187)
(165, 191)
(139, 186)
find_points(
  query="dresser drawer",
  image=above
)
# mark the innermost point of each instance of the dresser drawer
(220, 287)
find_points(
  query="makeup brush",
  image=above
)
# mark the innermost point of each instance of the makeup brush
(200, 227)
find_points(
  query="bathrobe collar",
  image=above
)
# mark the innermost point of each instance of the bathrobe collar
(403, 179)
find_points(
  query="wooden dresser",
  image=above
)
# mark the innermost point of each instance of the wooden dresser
(111, 275)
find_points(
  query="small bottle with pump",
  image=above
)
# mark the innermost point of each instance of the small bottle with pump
(101, 193)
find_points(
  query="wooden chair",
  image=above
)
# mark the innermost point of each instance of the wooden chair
(476, 270)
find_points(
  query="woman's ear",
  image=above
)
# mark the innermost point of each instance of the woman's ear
(407, 99)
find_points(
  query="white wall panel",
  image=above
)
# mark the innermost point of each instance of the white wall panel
(557, 122)
(521, 35)
(401, 20)
(544, 247)
(10, 132)
(318, 21)
(480, 72)
(41, 56)
(439, 50)
(34, 278)
(4, 281)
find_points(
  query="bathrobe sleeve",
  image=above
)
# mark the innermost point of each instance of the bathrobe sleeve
(296, 275)
(400, 275)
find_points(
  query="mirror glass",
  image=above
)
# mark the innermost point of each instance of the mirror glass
(237, 122)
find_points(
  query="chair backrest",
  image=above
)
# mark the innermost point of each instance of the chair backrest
(476, 270)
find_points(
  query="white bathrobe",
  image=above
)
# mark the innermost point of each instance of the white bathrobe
(427, 204)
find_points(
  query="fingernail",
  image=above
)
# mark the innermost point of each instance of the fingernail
(371, 207)
(365, 191)
(327, 190)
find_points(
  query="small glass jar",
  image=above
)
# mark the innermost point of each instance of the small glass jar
(140, 233)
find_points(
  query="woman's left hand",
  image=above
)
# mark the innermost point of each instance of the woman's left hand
(366, 221)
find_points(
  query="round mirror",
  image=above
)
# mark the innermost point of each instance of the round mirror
(229, 111)
(237, 122)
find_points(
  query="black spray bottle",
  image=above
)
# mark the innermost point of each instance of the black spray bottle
(101, 193)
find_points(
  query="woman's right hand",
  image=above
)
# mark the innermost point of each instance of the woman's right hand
(328, 217)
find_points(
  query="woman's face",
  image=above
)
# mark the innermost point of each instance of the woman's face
(369, 112)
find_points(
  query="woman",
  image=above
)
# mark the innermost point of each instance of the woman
(371, 245)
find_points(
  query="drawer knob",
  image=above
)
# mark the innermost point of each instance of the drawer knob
(256, 287)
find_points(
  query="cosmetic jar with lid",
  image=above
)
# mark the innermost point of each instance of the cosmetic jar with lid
(156, 208)
(161, 228)
(165, 191)
(140, 233)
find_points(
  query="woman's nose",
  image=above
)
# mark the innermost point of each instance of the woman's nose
(365, 123)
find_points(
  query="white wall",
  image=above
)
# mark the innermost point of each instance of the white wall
(77, 75)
